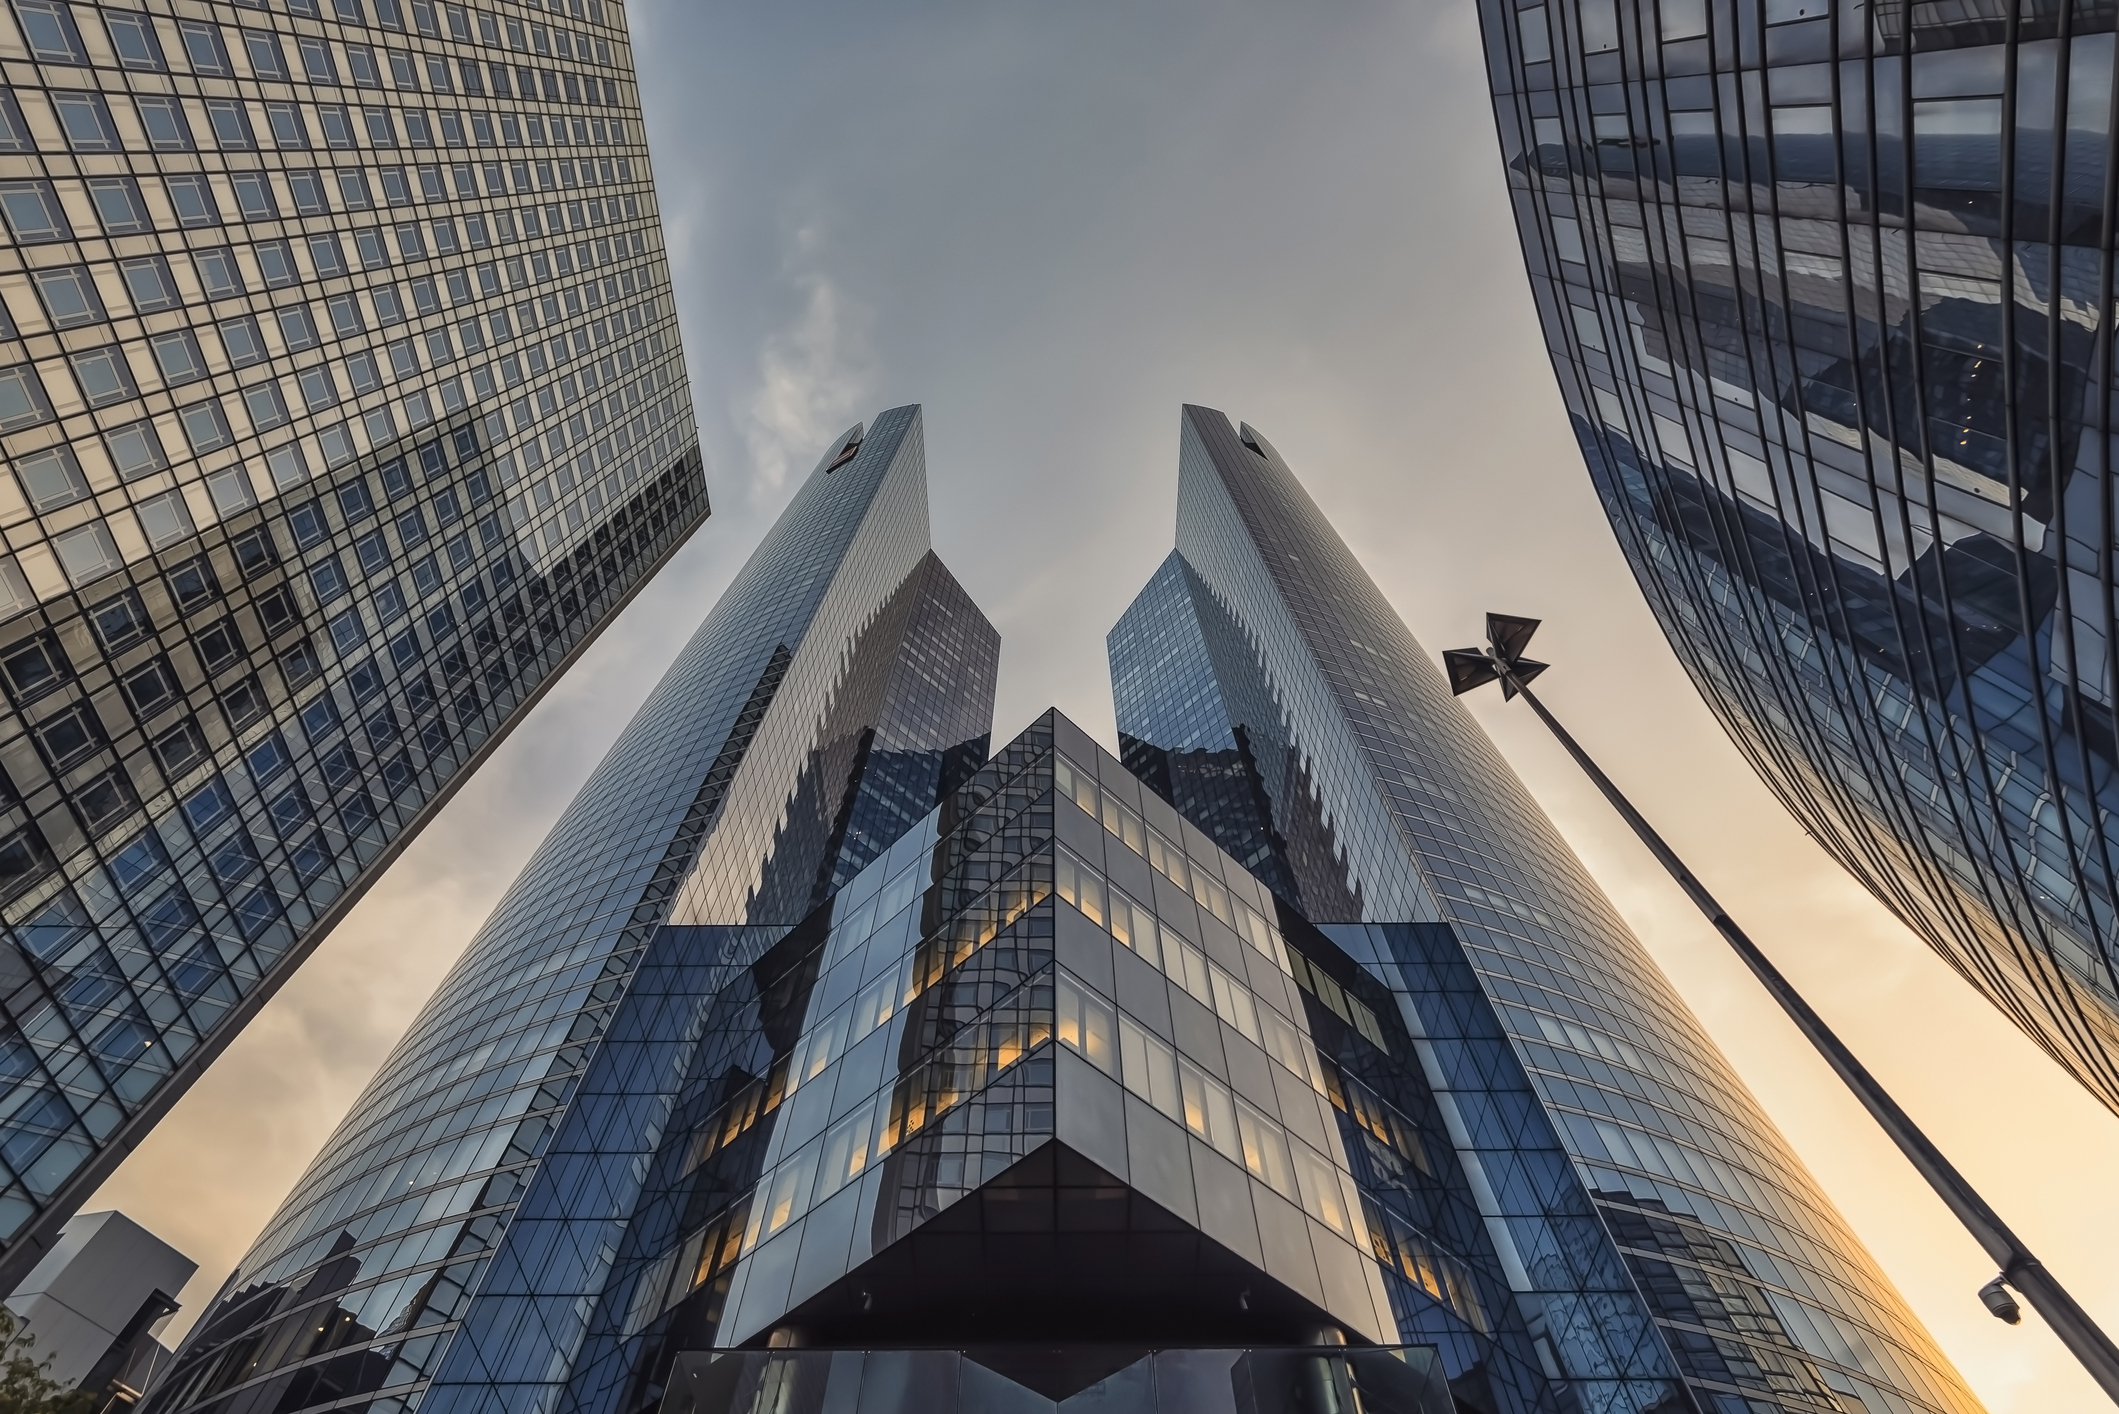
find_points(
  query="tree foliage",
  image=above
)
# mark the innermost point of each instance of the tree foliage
(26, 1385)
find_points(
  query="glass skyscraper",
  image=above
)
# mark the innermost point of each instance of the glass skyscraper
(1829, 292)
(821, 1061)
(1649, 1223)
(341, 404)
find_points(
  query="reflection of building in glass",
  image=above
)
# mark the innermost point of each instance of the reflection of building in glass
(819, 1060)
(1569, 1063)
(341, 404)
(1828, 296)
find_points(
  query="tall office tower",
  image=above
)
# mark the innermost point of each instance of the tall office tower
(460, 1222)
(342, 404)
(1651, 1227)
(1829, 292)
(818, 1062)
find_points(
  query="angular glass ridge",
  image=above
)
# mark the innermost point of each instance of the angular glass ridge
(469, 1145)
(341, 405)
(1693, 1244)
(1832, 340)
(818, 1057)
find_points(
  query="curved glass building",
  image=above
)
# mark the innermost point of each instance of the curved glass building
(1828, 288)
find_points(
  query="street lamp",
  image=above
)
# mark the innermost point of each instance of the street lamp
(1502, 661)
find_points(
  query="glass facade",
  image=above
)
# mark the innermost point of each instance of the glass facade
(341, 403)
(1828, 289)
(818, 1060)
(457, 1226)
(1650, 1225)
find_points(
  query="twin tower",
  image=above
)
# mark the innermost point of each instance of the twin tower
(826, 1057)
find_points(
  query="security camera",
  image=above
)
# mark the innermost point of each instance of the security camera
(2000, 1302)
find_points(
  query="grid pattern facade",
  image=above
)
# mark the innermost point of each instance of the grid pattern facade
(1435, 828)
(341, 403)
(512, 1114)
(1011, 1083)
(1828, 290)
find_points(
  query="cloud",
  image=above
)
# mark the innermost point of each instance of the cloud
(814, 373)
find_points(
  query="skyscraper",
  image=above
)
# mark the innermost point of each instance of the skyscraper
(1828, 291)
(818, 1061)
(1652, 1226)
(341, 403)
(843, 677)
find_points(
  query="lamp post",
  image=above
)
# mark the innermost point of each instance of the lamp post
(1503, 661)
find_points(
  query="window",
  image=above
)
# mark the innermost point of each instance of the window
(253, 196)
(265, 405)
(50, 478)
(308, 523)
(353, 189)
(32, 211)
(192, 197)
(338, 131)
(150, 687)
(267, 60)
(178, 747)
(319, 390)
(135, 450)
(219, 645)
(120, 619)
(326, 255)
(231, 124)
(205, 427)
(369, 242)
(22, 402)
(177, 355)
(202, 46)
(244, 703)
(397, 481)
(360, 368)
(328, 579)
(401, 72)
(34, 668)
(381, 132)
(297, 329)
(163, 518)
(49, 28)
(132, 36)
(345, 315)
(118, 205)
(316, 61)
(218, 272)
(192, 584)
(276, 263)
(254, 552)
(373, 549)
(243, 342)
(360, 60)
(390, 309)
(103, 375)
(163, 119)
(86, 552)
(231, 490)
(69, 737)
(299, 663)
(69, 296)
(86, 122)
(285, 121)
(307, 188)
(287, 465)
(148, 281)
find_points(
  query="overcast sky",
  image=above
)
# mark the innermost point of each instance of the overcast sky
(1052, 224)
